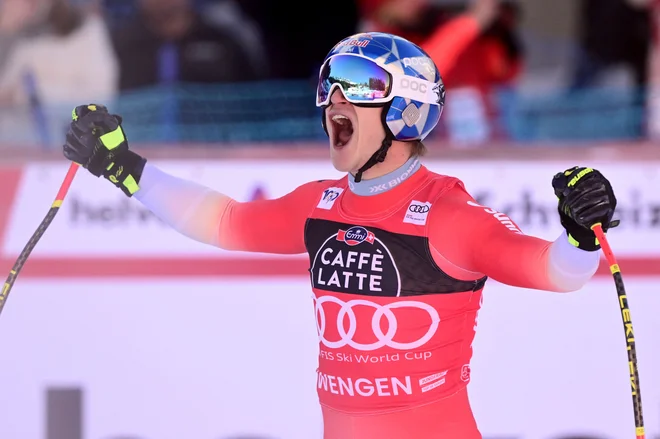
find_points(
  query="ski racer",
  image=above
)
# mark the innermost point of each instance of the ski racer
(398, 255)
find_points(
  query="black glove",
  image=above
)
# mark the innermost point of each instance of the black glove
(97, 142)
(585, 198)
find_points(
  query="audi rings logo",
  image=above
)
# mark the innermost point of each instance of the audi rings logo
(418, 208)
(351, 313)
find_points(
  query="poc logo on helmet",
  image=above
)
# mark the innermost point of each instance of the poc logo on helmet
(411, 84)
(420, 64)
(417, 61)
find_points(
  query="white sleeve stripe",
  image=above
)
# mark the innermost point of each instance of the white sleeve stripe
(570, 268)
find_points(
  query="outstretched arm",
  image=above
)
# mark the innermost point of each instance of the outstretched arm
(268, 226)
(96, 140)
(481, 240)
(449, 41)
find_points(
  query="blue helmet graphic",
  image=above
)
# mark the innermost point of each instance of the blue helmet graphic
(417, 97)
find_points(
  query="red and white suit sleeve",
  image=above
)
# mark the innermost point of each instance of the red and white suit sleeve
(210, 217)
(471, 237)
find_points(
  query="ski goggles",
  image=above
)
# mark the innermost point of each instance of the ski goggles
(362, 81)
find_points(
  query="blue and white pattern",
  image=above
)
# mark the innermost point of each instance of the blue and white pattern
(404, 57)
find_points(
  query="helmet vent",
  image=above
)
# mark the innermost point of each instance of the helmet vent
(410, 115)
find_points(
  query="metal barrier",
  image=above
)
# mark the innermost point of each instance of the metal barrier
(222, 115)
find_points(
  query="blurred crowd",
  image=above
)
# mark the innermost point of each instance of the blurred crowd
(56, 51)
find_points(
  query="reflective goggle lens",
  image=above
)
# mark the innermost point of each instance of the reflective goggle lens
(361, 80)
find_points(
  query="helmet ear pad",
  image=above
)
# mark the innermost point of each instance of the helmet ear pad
(407, 119)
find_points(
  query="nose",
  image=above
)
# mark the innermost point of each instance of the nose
(338, 97)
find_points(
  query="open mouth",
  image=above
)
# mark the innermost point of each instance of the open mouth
(342, 130)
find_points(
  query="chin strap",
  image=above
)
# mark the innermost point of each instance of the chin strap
(376, 158)
(379, 155)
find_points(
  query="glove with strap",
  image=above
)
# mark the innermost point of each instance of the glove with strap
(585, 198)
(97, 142)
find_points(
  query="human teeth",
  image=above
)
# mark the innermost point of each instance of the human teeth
(339, 118)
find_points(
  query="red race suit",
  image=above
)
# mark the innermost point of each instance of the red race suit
(397, 278)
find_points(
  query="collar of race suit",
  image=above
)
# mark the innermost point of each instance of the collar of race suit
(386, 182)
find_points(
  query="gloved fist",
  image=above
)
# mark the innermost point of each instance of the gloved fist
(88, 139)
(97, 142)
(585, 198)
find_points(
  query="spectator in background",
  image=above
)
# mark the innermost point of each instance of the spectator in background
(613, 33)
(16, 19)
(44, 67)
(230, 15)
(477, 52)
(296, 46)
(614, 44)
(169, 42)
(41, 77)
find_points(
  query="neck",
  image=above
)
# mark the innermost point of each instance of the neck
(385, 179)
(397, 154)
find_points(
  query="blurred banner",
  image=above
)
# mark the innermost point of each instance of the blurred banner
(120, 328)
(653, 123)
(175, 358)
(101, 232)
